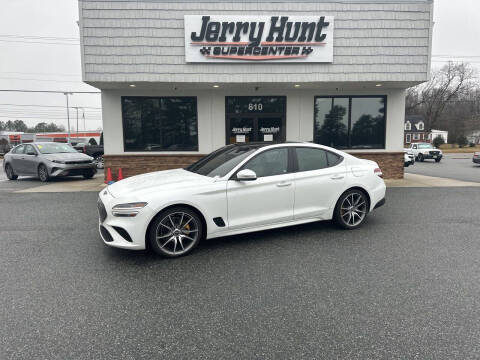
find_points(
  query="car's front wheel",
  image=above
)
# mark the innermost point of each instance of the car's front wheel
(43, 173)
(420, 158)
(10, 174)
(98, 160)
(437, 160)
(88, 174)
(175, 232)
(351, 209)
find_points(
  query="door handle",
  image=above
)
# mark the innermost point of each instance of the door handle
(337, 177)
(283, 184)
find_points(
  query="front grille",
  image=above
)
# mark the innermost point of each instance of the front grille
(105, 234)
(434, 152)
(78, 162)
(102, 212)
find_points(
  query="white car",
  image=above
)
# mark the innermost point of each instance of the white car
(424, 151)
(237, 189)
(408, 158)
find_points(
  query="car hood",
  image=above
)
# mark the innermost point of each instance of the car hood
(166, 180)
(67, 157)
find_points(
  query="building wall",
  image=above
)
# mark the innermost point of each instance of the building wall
(211, 127)
(143, 41)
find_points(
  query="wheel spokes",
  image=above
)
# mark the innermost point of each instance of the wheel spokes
(174, 229)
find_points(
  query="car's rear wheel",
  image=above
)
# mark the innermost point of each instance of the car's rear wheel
(10, 174)
(175, 232)
(437, 160)
(351, 209)
(43, 173)
(88, 174)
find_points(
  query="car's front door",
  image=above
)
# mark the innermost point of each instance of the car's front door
(268, 199)
(319, 181)
(28, 160)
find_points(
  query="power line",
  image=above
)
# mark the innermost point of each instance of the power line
(53, 106)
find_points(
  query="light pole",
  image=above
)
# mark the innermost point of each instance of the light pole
(68, 115)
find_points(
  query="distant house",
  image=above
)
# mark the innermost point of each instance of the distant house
(474, 137)
(414, 131)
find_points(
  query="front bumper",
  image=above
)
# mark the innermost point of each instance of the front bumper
(122, 232)
(430, 156)
(476, 160)
(56, 169)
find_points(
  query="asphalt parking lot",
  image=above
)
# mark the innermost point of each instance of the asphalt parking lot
(452, 166)
(404, 286)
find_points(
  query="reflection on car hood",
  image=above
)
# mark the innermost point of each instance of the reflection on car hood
(67, 157)
(165, 180)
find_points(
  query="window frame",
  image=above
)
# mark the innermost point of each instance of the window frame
(350, 97)
(408, 138)
(16, 148)
(295, 158)
(408, 126)
(415, 135)
(290, 162)
(122, 100)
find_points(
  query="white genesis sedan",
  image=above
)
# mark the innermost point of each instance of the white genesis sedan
(237, 189)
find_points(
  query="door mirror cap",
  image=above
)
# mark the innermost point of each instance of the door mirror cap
(246, 175)
(31, 153)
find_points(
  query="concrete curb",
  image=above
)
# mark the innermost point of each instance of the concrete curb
(415, 180)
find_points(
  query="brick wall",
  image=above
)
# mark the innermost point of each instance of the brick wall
(391, 163)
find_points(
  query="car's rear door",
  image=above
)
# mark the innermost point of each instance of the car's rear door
(319, 181)
(16, 159)
(268, 199)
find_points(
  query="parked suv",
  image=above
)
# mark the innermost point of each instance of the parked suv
(424, 151)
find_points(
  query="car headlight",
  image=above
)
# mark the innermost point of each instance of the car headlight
(58, 161)
(128, 209)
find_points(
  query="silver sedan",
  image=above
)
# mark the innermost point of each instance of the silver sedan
(47, 160)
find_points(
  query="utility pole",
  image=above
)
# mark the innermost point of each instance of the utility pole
(76, 108)
(83, 115)
(68, 115)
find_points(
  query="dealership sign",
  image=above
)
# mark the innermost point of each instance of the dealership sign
(227, 38)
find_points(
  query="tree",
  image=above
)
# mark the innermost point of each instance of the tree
(438, 141)
(2, 125)
(462, 141)
(450, 83)
(333, 131)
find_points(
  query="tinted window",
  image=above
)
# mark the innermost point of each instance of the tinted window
(350, 122)
(19, 149)
(333, 159)
(160, 123)
(222, 161)
(55, 148)
(29, 148)
(269, 163)
(311, 159)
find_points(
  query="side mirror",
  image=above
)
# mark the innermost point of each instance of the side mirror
(246, 175)
(31, 153)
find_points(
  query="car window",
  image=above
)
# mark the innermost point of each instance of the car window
(333, 159)
(29, 148)
(269, 163)
(414, 146)
(311, 159)
(55, 148)
(19, 149)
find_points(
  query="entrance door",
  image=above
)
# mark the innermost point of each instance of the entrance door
(255, 118)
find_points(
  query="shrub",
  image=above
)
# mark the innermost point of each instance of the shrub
(462, 141)
(438, 141)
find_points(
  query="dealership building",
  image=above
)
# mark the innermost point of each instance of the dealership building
(180, 79)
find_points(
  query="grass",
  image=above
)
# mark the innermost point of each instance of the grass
(454, 148)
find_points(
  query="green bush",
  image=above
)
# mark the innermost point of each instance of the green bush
(438, 141)
(462, 141)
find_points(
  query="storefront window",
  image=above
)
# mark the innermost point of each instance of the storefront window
(350, 122)
(160, 123)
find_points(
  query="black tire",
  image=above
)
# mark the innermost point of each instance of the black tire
(420, 158)
(88, 174)
(43, 173)
(10, 174)
(175, 226)
(437, 160)
(406, 164)
(342, 209)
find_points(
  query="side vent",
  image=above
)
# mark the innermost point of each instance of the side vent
(219, 222)
(123, 233)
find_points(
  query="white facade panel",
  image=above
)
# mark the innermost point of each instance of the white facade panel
(143, 40)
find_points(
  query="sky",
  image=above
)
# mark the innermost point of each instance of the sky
(39, 50)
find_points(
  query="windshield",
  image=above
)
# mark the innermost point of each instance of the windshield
(53, 148)
(222, 161)
(425, 146)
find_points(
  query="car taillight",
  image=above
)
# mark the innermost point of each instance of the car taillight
(476, 154)
(378, 172)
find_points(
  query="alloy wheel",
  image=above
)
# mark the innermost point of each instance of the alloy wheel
(43, 173)
(99, 162)
(177, 233)
(353, 209)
